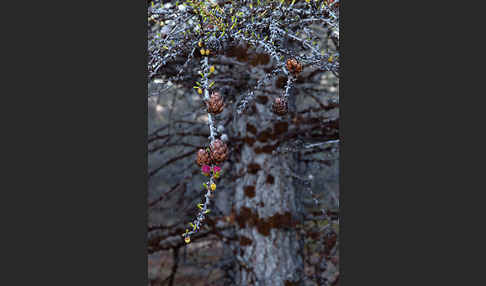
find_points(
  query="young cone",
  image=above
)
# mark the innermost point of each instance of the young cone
(203, 158)
(215, 103)
(279, 106)
(294, 66)
(219, 151)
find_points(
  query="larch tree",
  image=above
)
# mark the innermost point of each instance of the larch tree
(244, 137)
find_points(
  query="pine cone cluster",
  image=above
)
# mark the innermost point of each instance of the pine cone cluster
(203, 158)
(294, 66)
(217, 155)
(279, 106)
(215, 103)
(219, 151)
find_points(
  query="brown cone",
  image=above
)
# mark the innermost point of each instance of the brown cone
(219, 151)
(215, 103)
(279, 106)
(294, 66)
(203, 158)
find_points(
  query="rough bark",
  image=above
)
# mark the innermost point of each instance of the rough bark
(265, 206)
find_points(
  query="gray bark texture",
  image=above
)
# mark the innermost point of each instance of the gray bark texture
(268, 249)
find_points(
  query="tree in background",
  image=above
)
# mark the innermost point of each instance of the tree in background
(244, 138)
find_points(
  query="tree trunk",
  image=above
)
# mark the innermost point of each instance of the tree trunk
(266, 209)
